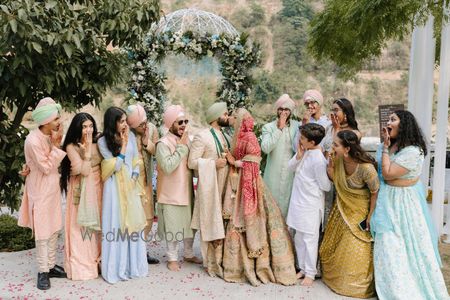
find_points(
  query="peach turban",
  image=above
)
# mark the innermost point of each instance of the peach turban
(136, 115)
(313, 95)
(172, 113)
(285, 102)
(46, 111)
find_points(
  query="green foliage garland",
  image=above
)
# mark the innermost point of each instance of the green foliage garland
(236, 55)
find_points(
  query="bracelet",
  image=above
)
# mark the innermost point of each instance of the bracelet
(385, 151)
(121, 156)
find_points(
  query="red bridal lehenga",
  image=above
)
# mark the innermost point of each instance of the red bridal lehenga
(257, 246)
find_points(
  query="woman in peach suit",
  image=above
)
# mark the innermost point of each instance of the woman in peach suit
(81, 180)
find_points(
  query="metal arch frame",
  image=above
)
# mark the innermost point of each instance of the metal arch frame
(203, 20)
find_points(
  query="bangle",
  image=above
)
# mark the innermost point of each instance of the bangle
(385, 150)
(121, 156)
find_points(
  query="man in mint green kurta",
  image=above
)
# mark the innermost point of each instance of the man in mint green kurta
(276, 142)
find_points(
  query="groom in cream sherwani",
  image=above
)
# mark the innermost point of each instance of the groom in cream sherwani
(207, 159)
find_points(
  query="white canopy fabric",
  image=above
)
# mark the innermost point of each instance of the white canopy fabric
(420, 103)
(441, 131)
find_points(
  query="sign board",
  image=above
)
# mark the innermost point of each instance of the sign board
(384, 111)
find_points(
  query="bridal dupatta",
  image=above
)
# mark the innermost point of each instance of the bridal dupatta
(257, 244)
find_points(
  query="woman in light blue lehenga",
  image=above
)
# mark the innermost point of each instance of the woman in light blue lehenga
(406, 258)
(124, 256)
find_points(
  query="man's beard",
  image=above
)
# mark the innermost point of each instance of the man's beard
(174, 131)
(223, 123)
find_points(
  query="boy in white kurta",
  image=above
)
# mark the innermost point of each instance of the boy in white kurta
(306, 206)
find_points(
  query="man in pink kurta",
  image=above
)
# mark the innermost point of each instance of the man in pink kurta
(146, 138)
(41, 204)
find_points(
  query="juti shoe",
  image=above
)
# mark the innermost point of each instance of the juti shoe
(57, 272)
(43, 281)
(152, 260)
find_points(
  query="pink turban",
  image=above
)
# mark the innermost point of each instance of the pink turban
(172, 113)
(46, 111)
(313, 95)
(285, 102)
(136, 115)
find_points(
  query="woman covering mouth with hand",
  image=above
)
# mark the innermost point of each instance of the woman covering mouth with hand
(406, 258)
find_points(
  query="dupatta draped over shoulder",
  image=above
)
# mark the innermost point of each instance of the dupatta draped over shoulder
(257, 246)
(132, 216)
(353, 203)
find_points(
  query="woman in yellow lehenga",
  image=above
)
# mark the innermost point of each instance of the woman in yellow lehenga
(346, 252)
(257, 247)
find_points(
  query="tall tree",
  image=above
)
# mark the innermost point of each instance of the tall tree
(350, 32)
(59, 49)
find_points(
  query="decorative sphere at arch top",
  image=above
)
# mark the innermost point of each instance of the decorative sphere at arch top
(197, 21)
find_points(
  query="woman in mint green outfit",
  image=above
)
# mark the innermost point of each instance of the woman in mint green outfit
(406, 258)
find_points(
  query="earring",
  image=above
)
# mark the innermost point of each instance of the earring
(345, 154)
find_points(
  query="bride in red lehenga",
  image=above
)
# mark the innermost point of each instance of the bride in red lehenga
(257, 245)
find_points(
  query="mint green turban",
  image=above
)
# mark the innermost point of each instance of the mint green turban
(46, 111)
(215, 111)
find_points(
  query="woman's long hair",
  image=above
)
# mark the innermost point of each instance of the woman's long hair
(349, 112)
(112, 116)
(74, 136)
(350, 139)
(409, 132)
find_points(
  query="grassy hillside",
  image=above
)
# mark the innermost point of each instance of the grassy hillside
(280, 26)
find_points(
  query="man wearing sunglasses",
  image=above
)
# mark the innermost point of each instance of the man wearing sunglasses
(175, 188)
(208, 160)
(276, 142)
(146, 137)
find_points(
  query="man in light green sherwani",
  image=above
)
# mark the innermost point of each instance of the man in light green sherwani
(276, 142)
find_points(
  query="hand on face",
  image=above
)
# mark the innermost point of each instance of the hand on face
(146, 135)
(386, 137)
(283, 116)
(86, 140)
(124, 134)
(335, 122)
(57, 135)
(184, 137)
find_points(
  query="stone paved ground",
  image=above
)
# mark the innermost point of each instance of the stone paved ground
(18, 281)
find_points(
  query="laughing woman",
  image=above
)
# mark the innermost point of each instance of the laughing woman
(81, 180)
(124, 255)
(406, 257)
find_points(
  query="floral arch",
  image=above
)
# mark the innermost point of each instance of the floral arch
(196, 34)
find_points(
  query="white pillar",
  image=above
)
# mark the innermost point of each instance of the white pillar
(420, 87)
(437, 209)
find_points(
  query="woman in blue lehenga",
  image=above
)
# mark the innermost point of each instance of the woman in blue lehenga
(124, 253)
(406, 258)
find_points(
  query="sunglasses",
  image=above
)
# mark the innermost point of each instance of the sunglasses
(183, 121)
